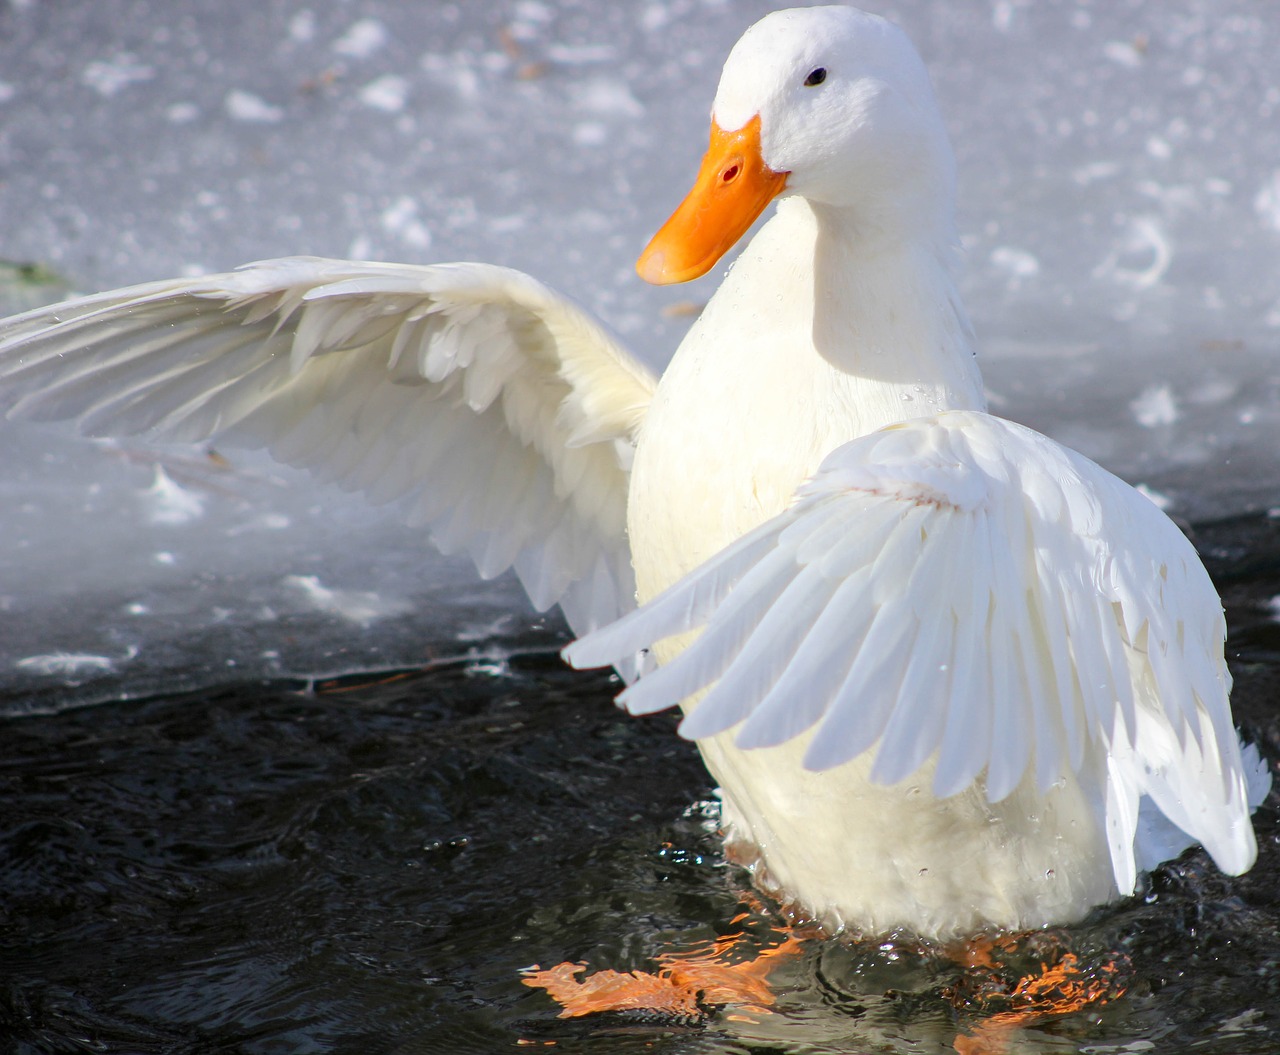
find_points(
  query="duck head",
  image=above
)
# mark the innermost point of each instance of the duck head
(830, 104)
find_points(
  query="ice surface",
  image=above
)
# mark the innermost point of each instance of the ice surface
(245, 106)
(1120, 208)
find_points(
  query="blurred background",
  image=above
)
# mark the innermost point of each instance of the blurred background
(1119, 205)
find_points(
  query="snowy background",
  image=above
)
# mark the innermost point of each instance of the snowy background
(1120, 205)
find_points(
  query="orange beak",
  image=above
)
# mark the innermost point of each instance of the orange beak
(732, 189)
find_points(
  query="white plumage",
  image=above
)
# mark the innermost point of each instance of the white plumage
(950, 675)
(1041, 624)
(499, 414)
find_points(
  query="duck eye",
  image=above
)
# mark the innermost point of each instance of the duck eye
(815, 77)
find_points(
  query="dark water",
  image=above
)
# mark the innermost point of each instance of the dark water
(366, 868)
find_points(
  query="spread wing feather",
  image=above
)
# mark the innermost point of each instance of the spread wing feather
(965, 590)
(499, 413)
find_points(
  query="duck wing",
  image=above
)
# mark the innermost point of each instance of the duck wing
(498, 412)
(963, 590)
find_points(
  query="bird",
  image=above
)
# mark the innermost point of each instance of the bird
(951, 677)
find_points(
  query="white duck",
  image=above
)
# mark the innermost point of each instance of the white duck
(960, 677)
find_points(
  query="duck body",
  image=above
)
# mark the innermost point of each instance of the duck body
(865, 860)
(723, 450)
(1011, 719)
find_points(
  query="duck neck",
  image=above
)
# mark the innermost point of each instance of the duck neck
(881, 311)
(887, 313)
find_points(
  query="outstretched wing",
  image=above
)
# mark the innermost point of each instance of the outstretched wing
(497, 411)
(965, 590)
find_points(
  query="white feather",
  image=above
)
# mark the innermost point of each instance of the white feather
(944, 591)
(457, 387)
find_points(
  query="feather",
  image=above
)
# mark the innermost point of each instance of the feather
(381, 377)
(945, 590)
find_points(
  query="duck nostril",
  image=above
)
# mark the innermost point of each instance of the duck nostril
(730, 174)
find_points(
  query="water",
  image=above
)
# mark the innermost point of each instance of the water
(365, 865)
(268, 869)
